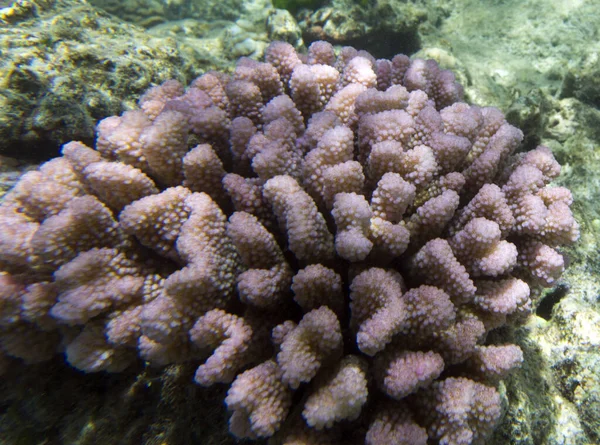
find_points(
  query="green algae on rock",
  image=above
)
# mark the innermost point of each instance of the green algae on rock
(65, 65)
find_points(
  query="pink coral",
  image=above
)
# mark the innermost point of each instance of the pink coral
(461, 410)
(304, 349)
(259, 401)
(230, 336)
(300, 227)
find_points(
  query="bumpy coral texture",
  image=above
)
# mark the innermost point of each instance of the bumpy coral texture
(320, 232)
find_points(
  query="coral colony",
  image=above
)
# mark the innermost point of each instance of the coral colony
(333, 237)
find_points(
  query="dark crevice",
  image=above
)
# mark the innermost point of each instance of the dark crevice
(547, 304)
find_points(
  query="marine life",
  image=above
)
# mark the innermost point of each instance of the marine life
(325, 232)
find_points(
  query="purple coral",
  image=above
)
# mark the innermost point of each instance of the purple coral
(305, 224)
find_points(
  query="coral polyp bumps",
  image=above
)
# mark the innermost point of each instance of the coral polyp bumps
(338, 227)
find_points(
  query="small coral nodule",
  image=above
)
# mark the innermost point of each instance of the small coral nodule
(305, 225)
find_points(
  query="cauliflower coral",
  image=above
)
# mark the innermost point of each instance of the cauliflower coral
(325, 232)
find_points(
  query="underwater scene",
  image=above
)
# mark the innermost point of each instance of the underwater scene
(300, 222)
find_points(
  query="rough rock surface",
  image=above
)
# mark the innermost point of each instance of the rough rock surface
(65, 65)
